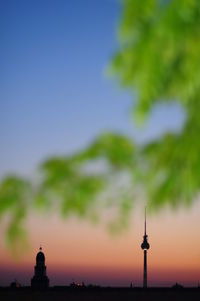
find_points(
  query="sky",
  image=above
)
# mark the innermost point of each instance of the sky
(55, 98)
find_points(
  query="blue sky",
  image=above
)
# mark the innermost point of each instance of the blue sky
(54, 95)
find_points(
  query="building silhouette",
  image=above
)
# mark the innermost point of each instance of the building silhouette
(40, 279)
(15, 284)
(145, 246)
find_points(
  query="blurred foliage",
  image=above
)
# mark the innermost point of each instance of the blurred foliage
(76, 181)
(158, 59)
(73, 185)
(159, 55)
(14, 203)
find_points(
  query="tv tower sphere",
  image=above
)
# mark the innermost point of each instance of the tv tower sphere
(145, 245)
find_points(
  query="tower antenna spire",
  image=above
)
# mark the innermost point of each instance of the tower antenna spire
(145, 222)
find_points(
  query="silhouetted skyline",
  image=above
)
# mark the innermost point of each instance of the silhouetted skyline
(111, 260)
(40, 279)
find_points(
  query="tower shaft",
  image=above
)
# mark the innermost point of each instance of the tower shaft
(145, 270)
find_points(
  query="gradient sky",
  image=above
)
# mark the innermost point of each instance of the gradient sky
(54, 99)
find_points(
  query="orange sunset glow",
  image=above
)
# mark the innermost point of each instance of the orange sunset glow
(78, 250)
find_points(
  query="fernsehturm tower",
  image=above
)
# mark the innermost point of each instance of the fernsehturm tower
(145, 246)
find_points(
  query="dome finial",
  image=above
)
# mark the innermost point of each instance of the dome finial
(40, 247)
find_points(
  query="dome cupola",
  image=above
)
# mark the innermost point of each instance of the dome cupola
(40, 258)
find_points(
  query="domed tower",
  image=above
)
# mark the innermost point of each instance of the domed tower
(145, 246)
(40, 279)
